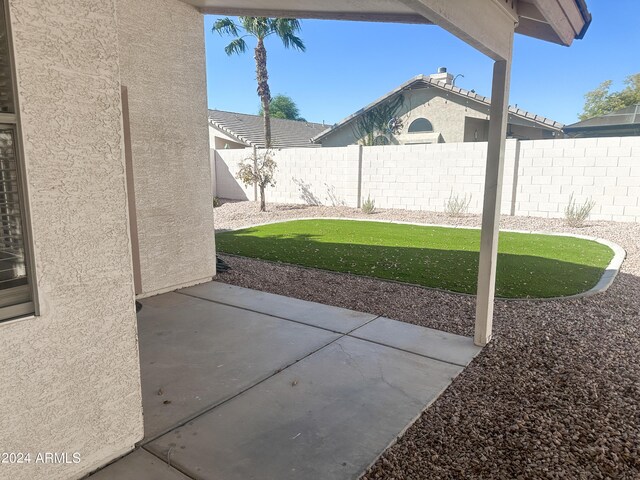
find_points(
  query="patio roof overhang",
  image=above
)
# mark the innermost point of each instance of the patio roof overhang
(487, 25)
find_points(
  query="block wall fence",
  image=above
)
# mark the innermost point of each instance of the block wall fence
(539, 176)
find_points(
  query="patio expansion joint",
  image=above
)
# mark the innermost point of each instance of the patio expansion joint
(211, 407)
(276, 316)
(436, 359)
(168, 462)
(347, 334)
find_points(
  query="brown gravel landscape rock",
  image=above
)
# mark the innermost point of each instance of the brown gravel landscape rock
(555, 395)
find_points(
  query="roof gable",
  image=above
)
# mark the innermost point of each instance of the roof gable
(423, 81)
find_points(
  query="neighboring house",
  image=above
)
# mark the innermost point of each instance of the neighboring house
(434, 110)
(621, 123)
(241, 130)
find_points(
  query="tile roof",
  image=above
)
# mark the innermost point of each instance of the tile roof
(249, 129)
(423, 81)
(626, 116)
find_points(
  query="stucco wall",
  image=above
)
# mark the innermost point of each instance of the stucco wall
(448, 113)
(71, 376)
(163, 66)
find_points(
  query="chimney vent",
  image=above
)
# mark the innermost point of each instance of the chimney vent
(442, 76)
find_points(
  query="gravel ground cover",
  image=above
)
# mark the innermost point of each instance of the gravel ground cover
(555, 395)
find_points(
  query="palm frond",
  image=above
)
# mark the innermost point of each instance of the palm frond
(236, 46)
(257, 26)
(285, 26)
(225, 26)
(290, 40)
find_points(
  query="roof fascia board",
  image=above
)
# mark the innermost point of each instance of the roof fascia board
(352, 16)
(485, 25)
(226, 131)
(602, 127)
(555, 13)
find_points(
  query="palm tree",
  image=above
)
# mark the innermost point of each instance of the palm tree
(260, 28)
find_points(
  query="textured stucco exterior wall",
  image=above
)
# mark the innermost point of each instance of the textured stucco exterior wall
(71, 378)
(162, 62)
(448, 113)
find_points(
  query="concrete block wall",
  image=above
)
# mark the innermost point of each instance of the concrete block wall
(424, 177)
(539, 176)
(224, 167)
(322, 176)
(327, 176)
(606, 170)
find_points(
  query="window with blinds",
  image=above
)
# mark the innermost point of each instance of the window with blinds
(16, 298)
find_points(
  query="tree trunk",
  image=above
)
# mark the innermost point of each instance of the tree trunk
(263, 203)
(262, 76)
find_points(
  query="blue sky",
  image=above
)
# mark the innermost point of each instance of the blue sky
(349, 64)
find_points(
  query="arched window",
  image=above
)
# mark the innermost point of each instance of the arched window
(420, 125)
(381, 140)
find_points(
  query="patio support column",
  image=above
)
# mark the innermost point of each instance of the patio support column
(499, 114)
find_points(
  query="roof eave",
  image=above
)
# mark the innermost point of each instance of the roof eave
(226, 131)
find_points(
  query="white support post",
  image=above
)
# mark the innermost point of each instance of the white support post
(499, 115)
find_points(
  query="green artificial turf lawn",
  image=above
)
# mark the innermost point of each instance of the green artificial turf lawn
(529, 265)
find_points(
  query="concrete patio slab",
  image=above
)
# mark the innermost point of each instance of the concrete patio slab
(232, 393)
(328, 416)
(139, 465)
(323, 316)
(428, 342)
(195, 354)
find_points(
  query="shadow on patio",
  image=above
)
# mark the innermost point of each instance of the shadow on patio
(244, 384)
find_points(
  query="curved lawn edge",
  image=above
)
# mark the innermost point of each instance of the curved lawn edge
(606, 280)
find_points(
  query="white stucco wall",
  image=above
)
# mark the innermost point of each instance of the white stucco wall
(71, 378)
(162, 61)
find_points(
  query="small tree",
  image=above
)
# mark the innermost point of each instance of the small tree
(601, 100)
(258, 169)
(282, 106)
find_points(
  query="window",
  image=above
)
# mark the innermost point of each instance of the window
(381, 140)
(420, 125)
(16, 297)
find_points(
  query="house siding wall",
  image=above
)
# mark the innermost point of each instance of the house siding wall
(163, 66)
(71, 377)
